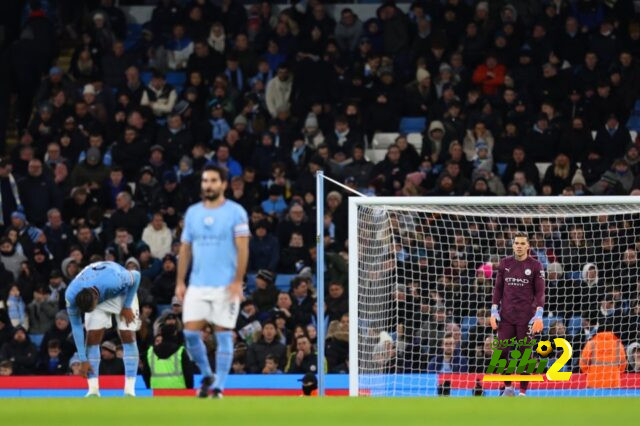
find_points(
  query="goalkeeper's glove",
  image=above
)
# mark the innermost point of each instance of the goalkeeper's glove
(535, 324)
(495, 317)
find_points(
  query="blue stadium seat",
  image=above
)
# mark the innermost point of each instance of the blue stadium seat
(634, 122)
(251, 283)
(133, 35)
(36, 339)
(176, 78)
(283, 281)
(145, 77)
(412, 124)
(574, 325)
(465, 325)
(502, 167)
(636, 107)
(162, 308)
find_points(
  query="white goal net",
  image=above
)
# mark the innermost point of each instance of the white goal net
(421, 279)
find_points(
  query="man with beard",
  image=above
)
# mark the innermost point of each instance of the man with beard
(216, 236)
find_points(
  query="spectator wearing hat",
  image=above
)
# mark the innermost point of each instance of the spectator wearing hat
(22, 353)
(163, 287)
(10, 257)
(9, 193)
(167, 365)
(110, 364)
(91, 170)
(214, 130)
(175, 138)
(55, 82)
(146, 188)
(274, 205)
(160, 96)
(264, 249)
(618, 179)
(267, 345)
(265, 295)
(173, 197)
(60, 330)
(149, 266)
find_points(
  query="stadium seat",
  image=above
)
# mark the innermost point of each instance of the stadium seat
(176, 78)
(133, 35)
(636, 106)
(542, 168)
(383, 140)
(251, 283)
(634, 122)
(415, 139)
(502, 167)
(36, 339)
(412, 124)
(634, 135)
(574, 325)
(376, 155)
(145, 77)
(283, 281)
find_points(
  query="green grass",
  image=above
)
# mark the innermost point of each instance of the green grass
(332, 411)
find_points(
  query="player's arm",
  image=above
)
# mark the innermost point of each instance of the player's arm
(538, 298)
(132, 289)
(241, 234)
(77, 329)
(184, 257)
(496, 298)
(184, 260)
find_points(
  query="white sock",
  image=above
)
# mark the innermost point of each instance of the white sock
(94, 387)
(130, 385)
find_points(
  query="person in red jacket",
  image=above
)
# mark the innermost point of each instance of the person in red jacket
(490, 75)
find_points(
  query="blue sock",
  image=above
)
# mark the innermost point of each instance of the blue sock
(224, 358)
(131, 359)
(93, 356)
(198, 352)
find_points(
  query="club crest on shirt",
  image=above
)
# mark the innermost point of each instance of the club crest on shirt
(208, 220)
(527, 272)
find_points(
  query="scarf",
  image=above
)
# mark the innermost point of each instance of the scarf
(14, 190)
(219, 128)
(297, 153)
(16, 310)
(217, 43)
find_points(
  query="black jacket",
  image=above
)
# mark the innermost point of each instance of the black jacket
(258, 352)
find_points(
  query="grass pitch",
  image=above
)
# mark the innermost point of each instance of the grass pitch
(331, 411)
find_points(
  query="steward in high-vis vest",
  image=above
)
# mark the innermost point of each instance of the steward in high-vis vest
(166, 364)
(603, 359)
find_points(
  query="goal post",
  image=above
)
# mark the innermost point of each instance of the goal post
(421, 271)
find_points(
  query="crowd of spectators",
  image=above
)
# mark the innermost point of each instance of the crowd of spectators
(109, 151)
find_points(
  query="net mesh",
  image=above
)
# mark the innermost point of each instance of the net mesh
(425, 280)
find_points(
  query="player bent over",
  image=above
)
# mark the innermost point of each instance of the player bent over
(518, 298)
(99, 291)
(216, 237)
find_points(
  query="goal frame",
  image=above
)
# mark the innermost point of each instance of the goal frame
(355, 202)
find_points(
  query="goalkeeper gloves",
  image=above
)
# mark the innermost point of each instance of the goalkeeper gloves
(535, 324)
(495, 317)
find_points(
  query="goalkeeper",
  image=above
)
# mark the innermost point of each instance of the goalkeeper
(518, 298)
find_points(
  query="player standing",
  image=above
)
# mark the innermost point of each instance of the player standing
(216, 236)
(518, 298)
(99, 291)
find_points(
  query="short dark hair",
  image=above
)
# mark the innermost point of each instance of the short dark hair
(273, 358)
(521, 234)
(54, 344)
(85, 300)
(222, 172)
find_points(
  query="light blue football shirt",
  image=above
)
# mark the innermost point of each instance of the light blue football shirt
(211, 233)
(111, 280)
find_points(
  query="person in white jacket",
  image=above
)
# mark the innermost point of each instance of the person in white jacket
(158, 237)
(278, 91)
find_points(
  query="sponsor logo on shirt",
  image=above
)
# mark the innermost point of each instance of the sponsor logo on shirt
(520, 282)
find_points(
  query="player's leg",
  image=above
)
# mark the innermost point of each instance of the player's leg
(127, 333)
(131, 359)
(195, 311)
(522, 331)
(225, 316)
(505, 332)
(94, 338)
